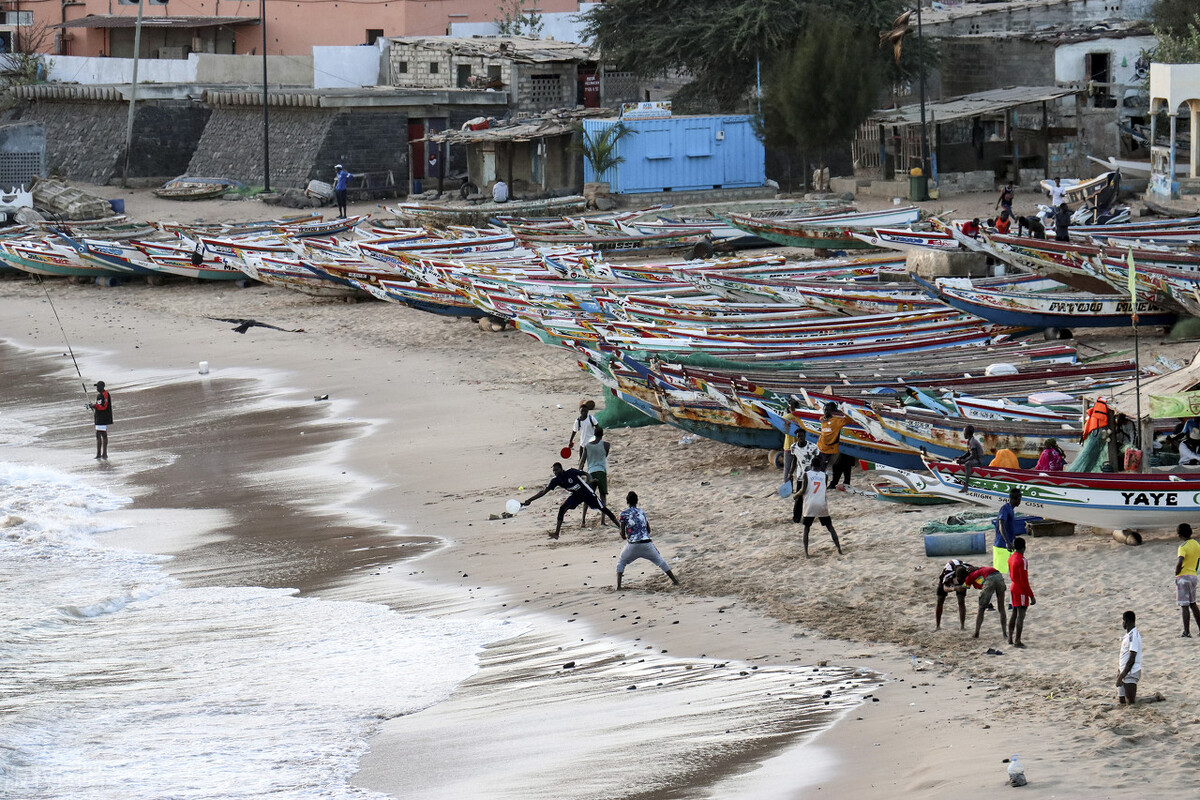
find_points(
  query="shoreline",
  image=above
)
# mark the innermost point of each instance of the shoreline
(502, 432)
(188, 546)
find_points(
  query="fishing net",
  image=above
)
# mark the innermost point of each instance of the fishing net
(1093, 453)
(962, 522)
(619, 414)
(1185, 329)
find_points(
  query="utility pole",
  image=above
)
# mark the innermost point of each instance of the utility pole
(262, 13)
(137, 51)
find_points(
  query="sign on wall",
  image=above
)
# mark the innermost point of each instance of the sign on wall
(651, 109)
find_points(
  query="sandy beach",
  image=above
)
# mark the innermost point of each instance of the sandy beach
(432, 424)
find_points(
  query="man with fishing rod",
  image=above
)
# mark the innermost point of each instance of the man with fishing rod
(102, 412)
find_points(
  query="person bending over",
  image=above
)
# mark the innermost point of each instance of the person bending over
(574, 481)
(635, 530)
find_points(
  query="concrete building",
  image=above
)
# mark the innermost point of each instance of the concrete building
(1173, 87)
(105, 27)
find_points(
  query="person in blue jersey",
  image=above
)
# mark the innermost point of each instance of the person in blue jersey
(574, 481)
(102, 413)
(340, 183)
(635, 530)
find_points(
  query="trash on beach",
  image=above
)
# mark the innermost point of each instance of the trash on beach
(318, 398)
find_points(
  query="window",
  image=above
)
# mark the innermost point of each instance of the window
(374, 35)
(463, 79)
(433, 68)
(545, 91)
(657, 142)
(494, 73)
(402, 67)
(697, 142)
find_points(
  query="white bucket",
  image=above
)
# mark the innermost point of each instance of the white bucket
(203, 367)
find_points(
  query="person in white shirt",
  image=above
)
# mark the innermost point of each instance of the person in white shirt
(811, 502)
(1058, 195)
(585, 428)
(500, 192)
(1189, 448)
(1131, 660)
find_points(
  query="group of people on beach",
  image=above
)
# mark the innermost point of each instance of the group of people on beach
(587, 486)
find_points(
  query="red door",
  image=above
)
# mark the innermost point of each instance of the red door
(416, 133)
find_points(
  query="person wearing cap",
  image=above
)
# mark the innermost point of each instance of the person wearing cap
(585, 426)
(103, 416)
(341, 179)
(595, 454)
(1189, 448)
(829, 443)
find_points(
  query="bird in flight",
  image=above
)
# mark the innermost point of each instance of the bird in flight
(243, 325)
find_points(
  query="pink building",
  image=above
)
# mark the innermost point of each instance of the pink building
(106, 27)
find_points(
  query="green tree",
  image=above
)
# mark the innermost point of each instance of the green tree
(723, 43)
(517, 20)
(600, 149)
(1176, 25)
(820, 92)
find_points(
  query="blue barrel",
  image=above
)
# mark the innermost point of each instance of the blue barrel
(955, 544)
(118, 205)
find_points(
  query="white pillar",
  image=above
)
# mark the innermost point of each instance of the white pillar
(1195, 106)
(1171, 162)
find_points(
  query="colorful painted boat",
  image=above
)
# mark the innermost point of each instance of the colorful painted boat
(483, 213)
(904, 239)
(1113, 501)
(1045, 310)
(832, 231)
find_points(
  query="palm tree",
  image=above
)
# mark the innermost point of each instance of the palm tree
(600, 148)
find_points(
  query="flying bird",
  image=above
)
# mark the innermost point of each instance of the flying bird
(896, 34)
(243, 325)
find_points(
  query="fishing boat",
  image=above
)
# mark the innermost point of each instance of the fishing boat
(830, 231)
(1136, 169)
(895, 493)
(904, 239)
(482, 214)
(1080, 191)
(1045, 310)
(194, 188)
(1115, 501)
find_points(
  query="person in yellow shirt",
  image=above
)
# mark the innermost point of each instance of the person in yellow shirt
(1185, 578)
(828, 443)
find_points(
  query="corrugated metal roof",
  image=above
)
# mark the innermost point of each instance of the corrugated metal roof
(129, 20)
(525, 49)
(521, 130)
(971, 105)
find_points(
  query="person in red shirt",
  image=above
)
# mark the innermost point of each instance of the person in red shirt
(990, 583)
(971, 228)
(1019, 592)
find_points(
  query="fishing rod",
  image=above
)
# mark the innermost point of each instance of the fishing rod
(41, 281)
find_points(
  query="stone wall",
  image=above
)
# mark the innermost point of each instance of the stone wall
(978, 63)
(86, 141)
(305, 144)
(1025, 17)
(427, 68)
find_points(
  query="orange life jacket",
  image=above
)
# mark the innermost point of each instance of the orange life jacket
(1097, 418)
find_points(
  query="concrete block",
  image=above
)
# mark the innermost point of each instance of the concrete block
(851, 184)
(931, 264)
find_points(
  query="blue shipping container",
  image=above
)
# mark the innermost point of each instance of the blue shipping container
(682, 153)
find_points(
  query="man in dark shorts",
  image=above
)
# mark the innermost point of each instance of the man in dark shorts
(812, 503)
(948, 582)
(103, 417)
(574, 481)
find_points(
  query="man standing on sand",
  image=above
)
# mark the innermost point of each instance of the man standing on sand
(635, 529)
(340, 182)
(595, 453)
(829, 442)
(585, 426)
(811, 503)
(949, 582)
(1019, 592)
(1185, 578)
(990, 583)
(1130, 664)
(1006, 534)
(575, 482)
(103, 416)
